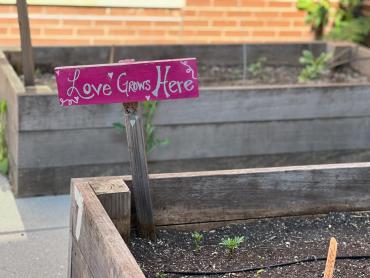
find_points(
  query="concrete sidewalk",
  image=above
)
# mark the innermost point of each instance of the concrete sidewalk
(33, 235)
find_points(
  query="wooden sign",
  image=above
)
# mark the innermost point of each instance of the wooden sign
(330, 260)
(127, 82)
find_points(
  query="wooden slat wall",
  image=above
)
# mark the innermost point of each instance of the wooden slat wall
(99, 251)
(183, 198)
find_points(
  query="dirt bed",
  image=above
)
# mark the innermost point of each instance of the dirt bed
(233, 76)
(267, 242)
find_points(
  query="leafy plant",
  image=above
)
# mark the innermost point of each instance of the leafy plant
(4, 163)
(256, 68)
(198, 237)
(152, 142)
(350, 24)
(314, 67)
(317, 15)
(259, 272)
(160, 275)
(232, 243)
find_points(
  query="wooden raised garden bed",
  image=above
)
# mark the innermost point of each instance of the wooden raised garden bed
(229, 127)
(204, 200)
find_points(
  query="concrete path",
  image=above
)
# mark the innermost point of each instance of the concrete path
(33, 235)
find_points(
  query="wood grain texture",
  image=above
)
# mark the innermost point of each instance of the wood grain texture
(27, 54)
(212, 196)
(361, 59)
(196, 141)
(115, 197)
(249, 104)
(139, 169)
(55, 180)
(182, 198)
(101, 246)
(79, 267)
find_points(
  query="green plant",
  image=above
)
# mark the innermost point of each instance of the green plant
(256, 68)
(232, 243)
(198, 237)
(152, 142)
(259, 272)
(149, 109)
(350, 24)
(317, 15)
(160, 275)
(314, 67)
(4, 163)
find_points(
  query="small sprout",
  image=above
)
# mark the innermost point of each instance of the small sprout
(256, 68)
(314, 67)
(160, 275)
(259, 272)
(198, 237)
(232, 243)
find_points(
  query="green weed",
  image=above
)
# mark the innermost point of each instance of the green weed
(314, 67)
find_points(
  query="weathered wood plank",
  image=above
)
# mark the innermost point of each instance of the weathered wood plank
(196, 141)
(100, 244)
(211, 196)
(182, 198)
(115, 197)
(361, 60)
(139, 169)
(27, 55)
(238, 105)
(79, 267)
(54, 180)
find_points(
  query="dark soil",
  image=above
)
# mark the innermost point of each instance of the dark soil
(267, 242)
(233, 76)
(272, 75)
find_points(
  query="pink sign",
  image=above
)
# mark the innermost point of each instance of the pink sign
(128, 82)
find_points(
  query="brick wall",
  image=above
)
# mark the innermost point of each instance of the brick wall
(201, 21)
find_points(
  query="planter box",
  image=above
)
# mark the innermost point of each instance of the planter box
(226, 128)
(200, 200)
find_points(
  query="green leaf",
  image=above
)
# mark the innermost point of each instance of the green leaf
(4, 166)
(118, 127)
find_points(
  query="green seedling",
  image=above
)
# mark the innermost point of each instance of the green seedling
(160, 275)
(256, 68)
(232, 243)
(259, 272)
(198, 237)
(314, 67)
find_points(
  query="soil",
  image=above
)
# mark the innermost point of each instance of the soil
(267, 242)
(273, 75)
(233, 76)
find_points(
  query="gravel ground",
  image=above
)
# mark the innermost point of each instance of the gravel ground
(267, 242)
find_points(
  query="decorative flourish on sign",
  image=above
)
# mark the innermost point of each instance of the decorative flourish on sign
(69, 101)
(188, 69)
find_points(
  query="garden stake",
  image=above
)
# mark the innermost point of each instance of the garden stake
(26, 46)
(139, 169)
(130, 82)
(330, 261)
